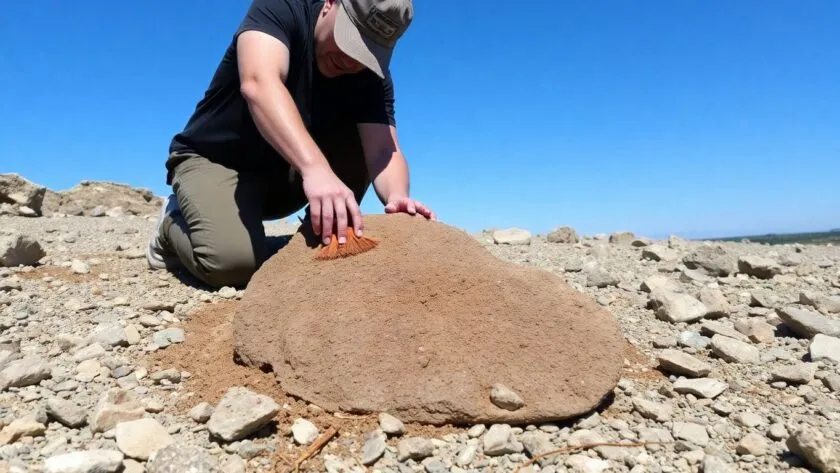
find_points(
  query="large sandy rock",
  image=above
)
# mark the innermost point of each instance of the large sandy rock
(17, 190)
(102, 198)
(428, 326)
(563, 235)
(20, 249)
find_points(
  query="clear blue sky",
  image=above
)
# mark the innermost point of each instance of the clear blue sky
(696, 118)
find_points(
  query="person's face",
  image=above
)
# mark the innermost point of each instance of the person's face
(331, 60)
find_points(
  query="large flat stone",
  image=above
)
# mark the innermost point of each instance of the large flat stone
(512, 236)
(115, 406)
(808, 323)
(85, 461)
(141, 438)
(824, 347)
(734, 351)
(712, 259)
(758, 266)
(19, 249)
(241, 412)
(821, 302)
(811, 444)
(676, 307)
(678, 362)
(708, 388)
(25, 371)
(710, 329)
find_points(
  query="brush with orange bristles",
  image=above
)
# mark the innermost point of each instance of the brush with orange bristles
(352, 246)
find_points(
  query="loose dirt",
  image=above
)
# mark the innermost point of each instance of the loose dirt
(208, 355)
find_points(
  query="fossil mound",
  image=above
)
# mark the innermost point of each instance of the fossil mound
(426, 326)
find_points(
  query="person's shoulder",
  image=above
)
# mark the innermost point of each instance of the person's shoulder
(300, 10)
(296, 5)
(286, 20)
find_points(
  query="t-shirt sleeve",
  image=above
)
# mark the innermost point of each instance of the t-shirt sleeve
(273, 17)
(376, 100)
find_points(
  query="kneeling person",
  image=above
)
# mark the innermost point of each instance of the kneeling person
(299, 114)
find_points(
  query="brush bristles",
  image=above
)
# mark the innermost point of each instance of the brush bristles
(352, 246)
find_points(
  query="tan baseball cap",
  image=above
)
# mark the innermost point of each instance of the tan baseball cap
(368, 30)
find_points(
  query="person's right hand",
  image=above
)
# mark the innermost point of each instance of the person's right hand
(331, 202)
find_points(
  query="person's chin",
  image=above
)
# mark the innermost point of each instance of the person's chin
(326, 69)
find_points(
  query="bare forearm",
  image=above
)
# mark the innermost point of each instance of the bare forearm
(279, 122)
(391, 178)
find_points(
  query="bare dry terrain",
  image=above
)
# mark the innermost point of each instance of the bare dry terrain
(732, 361)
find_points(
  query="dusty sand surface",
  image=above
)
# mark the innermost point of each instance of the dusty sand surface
(730, 357)
(423, 326)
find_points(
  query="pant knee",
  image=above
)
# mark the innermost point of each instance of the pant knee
(229, 266)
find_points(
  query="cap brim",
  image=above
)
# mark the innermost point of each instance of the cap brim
(350, 40)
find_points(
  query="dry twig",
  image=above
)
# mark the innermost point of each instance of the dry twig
(316, 445)
(584, 447)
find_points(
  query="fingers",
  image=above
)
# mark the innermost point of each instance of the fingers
(395, 206)
(356, 215)
(327, 220)
(410, 206)
(341, 218)
(315, 215)
(425, 211)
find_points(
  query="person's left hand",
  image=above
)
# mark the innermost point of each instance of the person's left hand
(408, 205)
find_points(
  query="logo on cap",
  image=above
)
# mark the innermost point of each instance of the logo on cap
(380, 23)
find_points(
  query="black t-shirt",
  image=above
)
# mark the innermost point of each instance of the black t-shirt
(222, 128)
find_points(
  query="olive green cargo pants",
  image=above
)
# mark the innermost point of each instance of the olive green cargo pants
(218, 233)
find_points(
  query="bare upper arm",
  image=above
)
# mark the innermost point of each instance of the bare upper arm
(379, 142)
(261, 57)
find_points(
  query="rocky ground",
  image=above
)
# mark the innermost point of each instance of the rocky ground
(732, 363)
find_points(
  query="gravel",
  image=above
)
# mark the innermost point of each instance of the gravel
(732, 363)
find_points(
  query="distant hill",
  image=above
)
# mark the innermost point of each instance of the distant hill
(813, 238)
